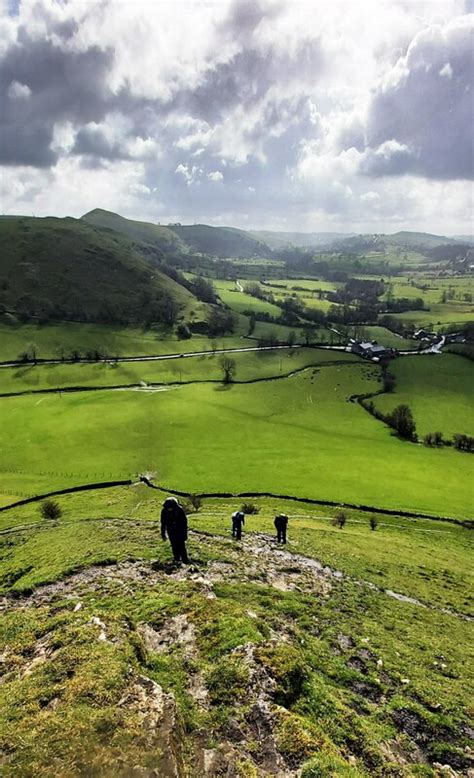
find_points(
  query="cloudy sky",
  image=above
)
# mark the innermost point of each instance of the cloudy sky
(277, 114)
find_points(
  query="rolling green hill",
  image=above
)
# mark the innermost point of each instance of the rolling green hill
(67, 269)
(226, 242)
(162, 239)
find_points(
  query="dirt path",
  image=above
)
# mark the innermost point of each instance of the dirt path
(257, 559)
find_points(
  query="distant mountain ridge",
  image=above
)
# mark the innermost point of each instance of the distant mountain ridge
(223, 242)
(234, 243)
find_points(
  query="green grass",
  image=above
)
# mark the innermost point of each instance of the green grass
(452, 312)
(51, 341)
(239, 301)
(385, 337)
(359, 674)
(299, 436)
(249, 366)
(438, 388)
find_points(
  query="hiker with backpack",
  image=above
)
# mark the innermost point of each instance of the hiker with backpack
(174, 524)
(238, 518)
(281, 523)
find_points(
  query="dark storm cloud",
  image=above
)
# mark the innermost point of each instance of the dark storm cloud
(92, 142)
(248, 76)
(422, 123)
(45, 81)
(58, 85)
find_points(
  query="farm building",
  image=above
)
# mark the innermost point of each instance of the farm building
(373, 351)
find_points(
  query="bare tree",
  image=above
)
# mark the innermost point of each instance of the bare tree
(228, 368)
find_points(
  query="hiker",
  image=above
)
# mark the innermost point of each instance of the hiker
(174, 523)
(281, 523)
(238, 518)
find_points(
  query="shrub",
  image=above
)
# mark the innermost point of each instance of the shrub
(249, 507)
(50, 509)
(463, 442)
(183, 332)
(340, 519)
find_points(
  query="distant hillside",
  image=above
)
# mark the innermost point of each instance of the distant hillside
(469, 239)
(224, 242)
(279, 240)
(418, 239)
(68, 269)
(449, 252)
(162, 239)
(414, 241)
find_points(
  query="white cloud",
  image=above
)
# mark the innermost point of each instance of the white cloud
(446, 71)
(17, 91)
(215, 175)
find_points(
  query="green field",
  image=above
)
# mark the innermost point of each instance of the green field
(51, 341)
(250, 366)
(438, 388)
(299, 436)
(387, 338)
(239, 301)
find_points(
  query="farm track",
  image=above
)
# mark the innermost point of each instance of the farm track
(261, 558)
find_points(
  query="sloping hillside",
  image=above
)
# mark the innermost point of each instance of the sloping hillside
(163, 239)
(65, 268)
(280, 240)
(222, 241)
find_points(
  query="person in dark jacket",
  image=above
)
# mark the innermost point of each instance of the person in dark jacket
(238, 518)
(281, 523)
(174, 524)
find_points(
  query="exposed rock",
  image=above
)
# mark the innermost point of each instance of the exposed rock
(160, 722)
(177, 631)
(445, 771)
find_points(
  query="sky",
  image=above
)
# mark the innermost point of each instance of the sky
(314, 116)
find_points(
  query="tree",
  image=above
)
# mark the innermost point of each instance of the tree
(195, 501)
(373, 523)
(50, 509)
(228, 367)
(220, 322)
(401, 419)
(204, 290)
(308, 333)
(291, 339)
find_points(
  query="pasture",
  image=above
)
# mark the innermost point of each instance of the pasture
(54, 341)
(439, 388)
(299, 436)
(250, 366)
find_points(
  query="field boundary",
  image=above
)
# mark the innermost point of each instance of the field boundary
(229, 495)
